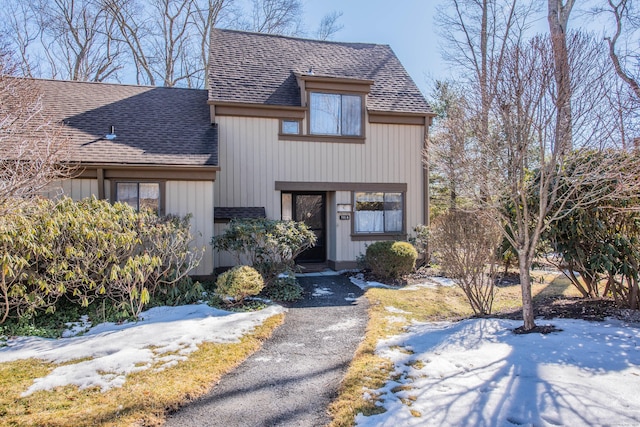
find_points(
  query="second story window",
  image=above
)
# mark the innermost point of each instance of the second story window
(335, 114)
(291, 127)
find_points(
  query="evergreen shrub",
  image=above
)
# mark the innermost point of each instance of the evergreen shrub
(391, 259)
(239, 283)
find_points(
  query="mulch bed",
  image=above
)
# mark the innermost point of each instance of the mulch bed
(575, 308)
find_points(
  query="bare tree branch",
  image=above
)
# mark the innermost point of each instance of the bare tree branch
(33, 147)
(622, 11)
(329, 26)
(276, 17)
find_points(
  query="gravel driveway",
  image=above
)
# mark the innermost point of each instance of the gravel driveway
(296, 374)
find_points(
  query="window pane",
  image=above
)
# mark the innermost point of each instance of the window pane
(291, 127)
(287, 212)
(351, 115)
(369, 216)
(150, 196)
(127, 192)
(325, 114)
(309, 209)
(393, 212)
(369, 201)
(369, 222)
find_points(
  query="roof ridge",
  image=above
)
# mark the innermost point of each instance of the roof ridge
(297, 38)
(118, 84)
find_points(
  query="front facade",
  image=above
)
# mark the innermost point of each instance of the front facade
(327, 133)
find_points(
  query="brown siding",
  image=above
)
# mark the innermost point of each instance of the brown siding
(253, 159)
(182, 198)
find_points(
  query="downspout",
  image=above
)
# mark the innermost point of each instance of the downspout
(100, 173)
(425, 171)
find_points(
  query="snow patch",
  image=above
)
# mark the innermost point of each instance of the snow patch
(360, 282)
(114, 351)
(77, 328)
(322, 292)
(431, 283)
(478, 372)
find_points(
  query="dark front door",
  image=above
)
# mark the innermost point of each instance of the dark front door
(310, 209)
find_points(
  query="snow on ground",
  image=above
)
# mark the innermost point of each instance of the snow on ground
(431, 282)
(321, 292)
(360, 282)
(477, 372)
(165, 336)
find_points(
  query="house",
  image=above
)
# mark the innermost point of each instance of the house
(151, 146)
(325, 132)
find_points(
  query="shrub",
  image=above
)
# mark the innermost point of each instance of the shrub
(420, 241)
(391, 260)
(284, 288)
(185, 291)
(89, 251)
(270, 246)
(239, 282)
(466, 245)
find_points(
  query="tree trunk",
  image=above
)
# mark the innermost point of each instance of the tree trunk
(558, 17)
(525, 285)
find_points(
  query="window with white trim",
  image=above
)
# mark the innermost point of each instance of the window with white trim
(335, 114)
(378, 213)
(139, 195)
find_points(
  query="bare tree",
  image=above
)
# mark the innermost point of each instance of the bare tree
(208, 14)
(33, 148)
(449, 140)
(558, 12)
(276, 17)
(626, 17)
(68, 39)
(529, 185)
(477, 34)
(18, 27)
(466, 244)
(78, 39)
(329, 26)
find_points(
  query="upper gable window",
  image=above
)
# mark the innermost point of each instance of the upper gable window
(335, 114)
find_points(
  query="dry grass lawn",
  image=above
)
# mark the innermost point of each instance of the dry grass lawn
(144, 399)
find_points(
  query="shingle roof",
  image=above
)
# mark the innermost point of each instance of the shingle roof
(259, 69)
(154, 125)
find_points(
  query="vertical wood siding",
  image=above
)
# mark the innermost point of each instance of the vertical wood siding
(252, 159)
(195, 198)
(183, 197)
(77, 189)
